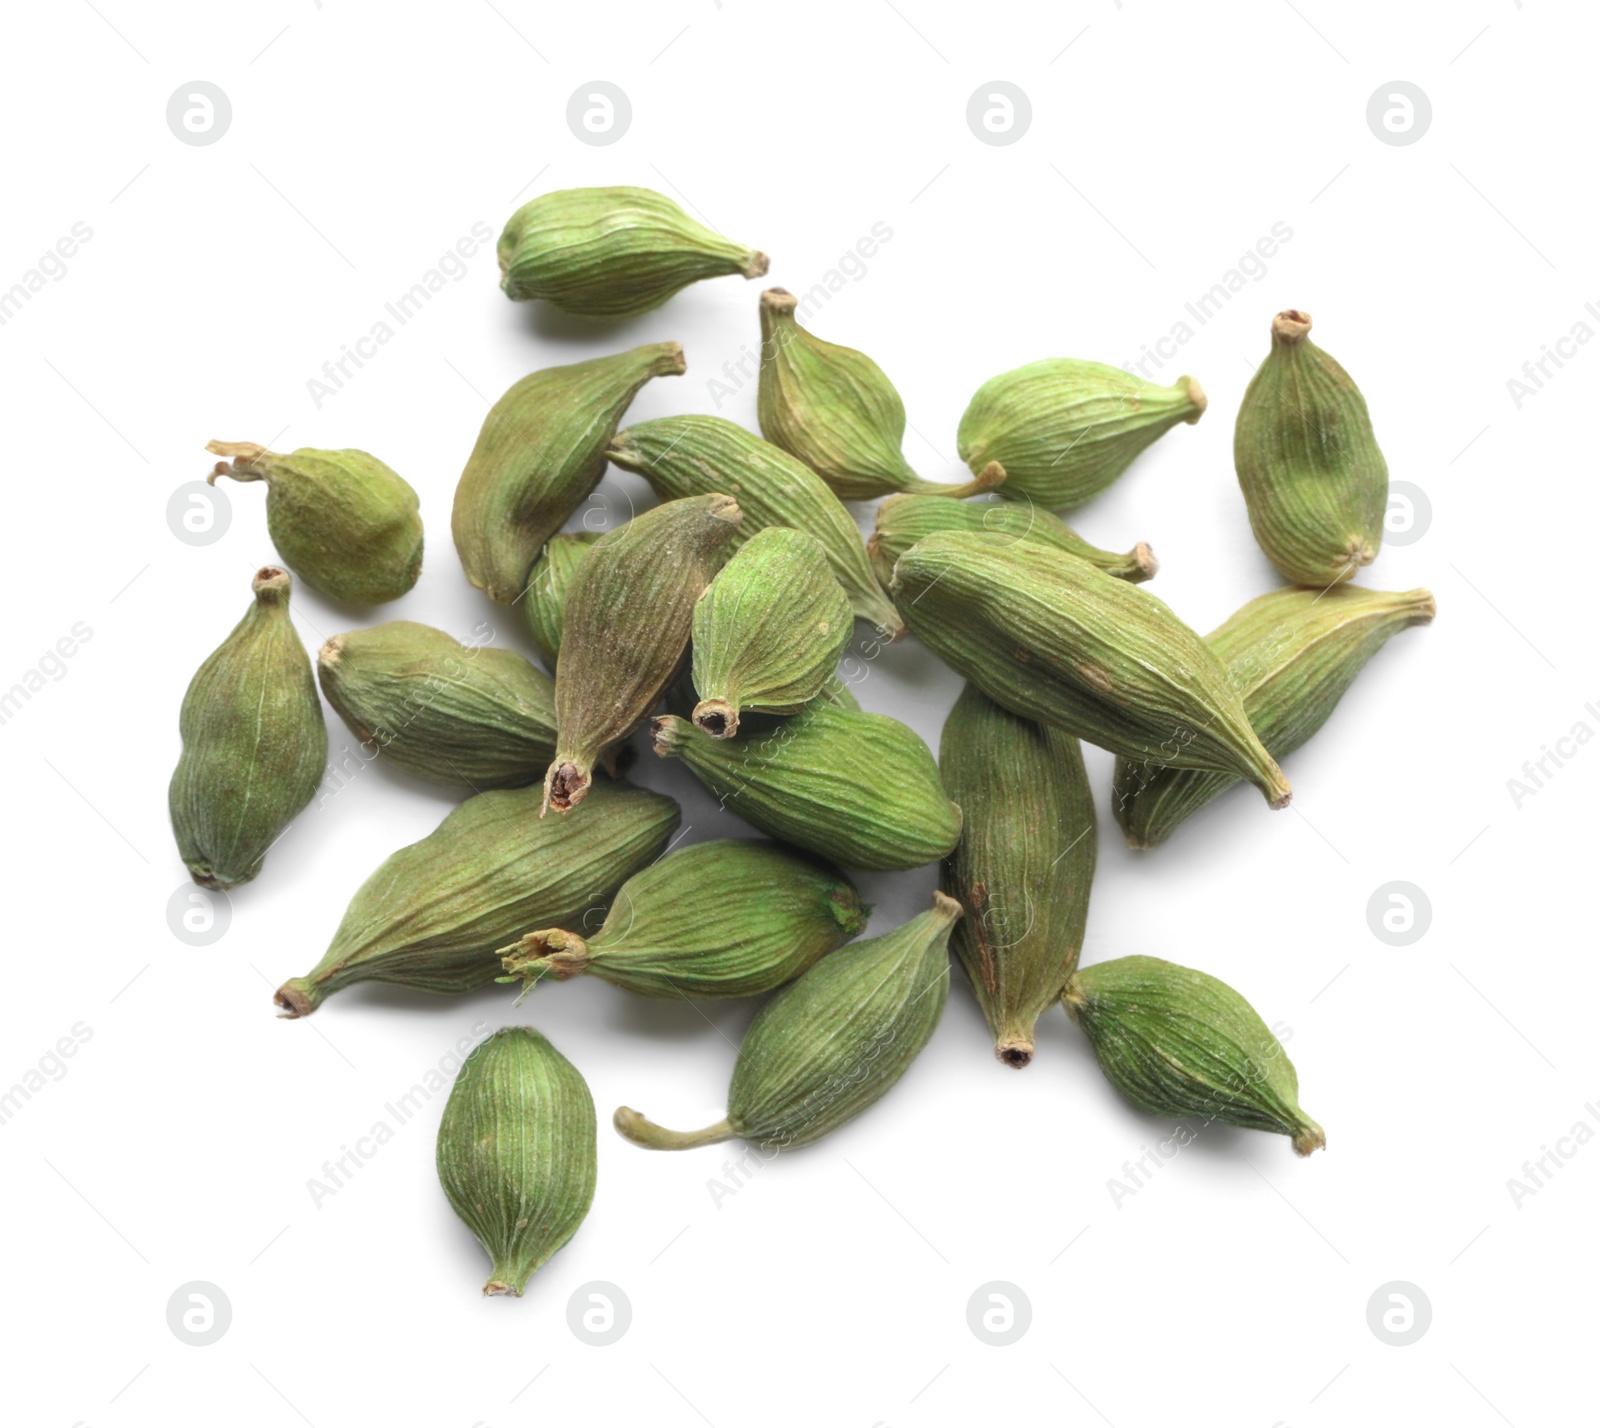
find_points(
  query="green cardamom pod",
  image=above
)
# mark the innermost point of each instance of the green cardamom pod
(862, 789)
(447, 712)
(545, 604)
(719, 919)
(1315, 484)
(1054, 639)
(612, 252)
(628, 618)
(768, 631)
(342, 520)
(1291, 654)
(690, 455)
(1065, 430)
(516, 1152)
(541, 451)
(1176, 1042)
(254, 743)
(830, 1044)
(1023, 867)
(432, 916)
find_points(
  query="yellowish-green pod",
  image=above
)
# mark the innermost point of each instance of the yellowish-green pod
(830, 1044)
(516, 1152)
(768, 631)
(1315, 484)
(1053, 639)
(254, 743)
(541, 451)
(1291, 654)
(1065, 429)
(544, 606)
(342, 520)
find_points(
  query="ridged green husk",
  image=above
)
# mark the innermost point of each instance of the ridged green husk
(1176, 1042)
(1065, 429)
(830, 1044)
(1053, 639)
(544, 606)
(719, 919)
(447, 712)
(254, 743)
(1024, 865)
(862, 789)
(690, 455)
(1315, 484)
(541, 451)
(435, 914)
(612, 252)
(628, 617)
(1291, 654)
(516, 1152)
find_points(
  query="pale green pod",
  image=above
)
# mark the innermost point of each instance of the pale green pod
(1023, 867)
(433, 916)
(540, 452)
(1291, 654)
(254, 743)
(1315, 484)
(1053, 639)
(516, 1152)
(830, 1044)
(342, 520)
(690, 455)
(1176, 1042)
(447, 712)
(612, 252)
(544, 606)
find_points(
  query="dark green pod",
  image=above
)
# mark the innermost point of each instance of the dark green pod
(544, 606)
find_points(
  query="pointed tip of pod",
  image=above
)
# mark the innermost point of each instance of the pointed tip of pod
(271, 584)
(669, 360)
(778, 300)
(1014, 1052)
(756, 265)
(1145, 561)
(725, 508)
(949, 910)
(565, 785)
(1197, 395)
(1309, 1137)
(1423, 606)
(664, 735)
(717, 718)
(498, 1287)
(331, 652)
(549, 953)
(1291, 325)
(296, 998)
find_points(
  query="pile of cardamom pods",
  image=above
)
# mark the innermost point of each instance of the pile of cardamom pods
(730, 604)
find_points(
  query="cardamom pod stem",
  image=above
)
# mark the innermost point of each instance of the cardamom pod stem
(549, 581)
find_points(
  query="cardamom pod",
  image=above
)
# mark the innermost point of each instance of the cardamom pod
(516, 1152)
(768, 631)
(1179, 1043)
(612, 252)
(628, 618)
(541, 451)
(862, 789)
(347, 524)
(1065, 430)
(1023, 867)
(433, 914)
(447, 712)
(1315, 484)
(545, 603)
(831, 1043)
(1053, 639)
(690, 455)
(1291, 654)
(254, 743)
(719, 919)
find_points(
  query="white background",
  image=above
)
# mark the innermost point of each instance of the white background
(1165, 141)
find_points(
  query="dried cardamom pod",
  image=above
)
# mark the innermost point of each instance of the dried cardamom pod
(830, 1044)
(1023, 867)
(516, 1152)
(768, 631)
(690, 455)
(1291, 654)
(447, 712)
(545, 604)
(342, 520)
(1053, 639)
(1065, 430)
(862, 789)
(628, 619)
(1176, 1042)
(612, 252)
(1315, 484)
(433, 914)
(720, 919)
(254, 743)
(541, 451)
